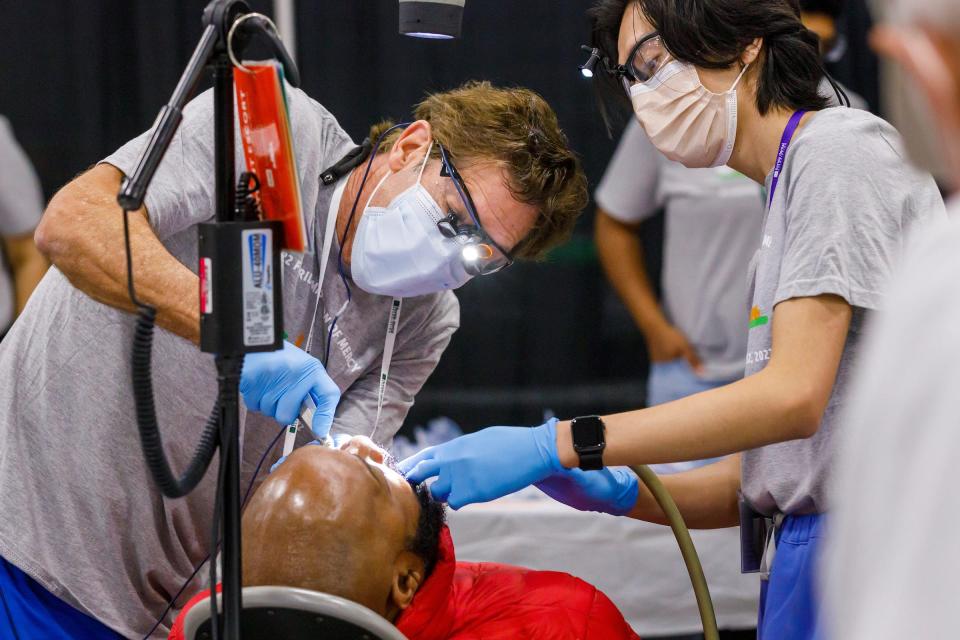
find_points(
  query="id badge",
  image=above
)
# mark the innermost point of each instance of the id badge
(754, 528)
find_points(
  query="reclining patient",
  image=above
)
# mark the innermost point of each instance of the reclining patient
(344, 523)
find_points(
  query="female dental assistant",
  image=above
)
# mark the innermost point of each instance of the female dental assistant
(735, 82)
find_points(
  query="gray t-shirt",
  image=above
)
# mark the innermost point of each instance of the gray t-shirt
(846, 200)
(713, 221)
(82, 515)
(21, 205)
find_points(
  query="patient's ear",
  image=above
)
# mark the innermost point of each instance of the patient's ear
(408, 577)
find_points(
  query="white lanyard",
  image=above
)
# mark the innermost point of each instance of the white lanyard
(325, 258)
(393, 320)
(393, 323)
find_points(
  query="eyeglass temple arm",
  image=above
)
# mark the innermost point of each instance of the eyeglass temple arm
(454, 175)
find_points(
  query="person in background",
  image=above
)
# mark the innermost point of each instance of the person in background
(21, 205)
(892, 557)
(695, 333)
(823, 18)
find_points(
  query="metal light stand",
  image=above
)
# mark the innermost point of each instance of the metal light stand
(221, 328)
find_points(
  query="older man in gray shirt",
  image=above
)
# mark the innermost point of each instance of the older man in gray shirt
(86, 538)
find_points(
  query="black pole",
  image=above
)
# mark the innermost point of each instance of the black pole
(230, 364)
(221, 247)
(229, 378)
(223, 142)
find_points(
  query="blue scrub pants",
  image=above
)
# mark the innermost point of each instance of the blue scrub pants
(788, 600)
(30, 612)
(669, 381)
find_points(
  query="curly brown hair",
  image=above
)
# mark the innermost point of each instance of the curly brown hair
(516, 128)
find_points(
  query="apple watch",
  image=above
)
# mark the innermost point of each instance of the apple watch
(589, 441)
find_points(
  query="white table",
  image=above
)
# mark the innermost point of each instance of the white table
(638, 565)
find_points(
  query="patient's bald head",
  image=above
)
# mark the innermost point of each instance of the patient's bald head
(342, 522)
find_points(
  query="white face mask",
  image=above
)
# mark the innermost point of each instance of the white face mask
(685, 121)
(399, 251)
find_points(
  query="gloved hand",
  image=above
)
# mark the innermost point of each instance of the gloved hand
(486, 465)
(610, 490)
(275, 383)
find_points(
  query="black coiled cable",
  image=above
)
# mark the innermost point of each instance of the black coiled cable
(151, 442)
(150, 439)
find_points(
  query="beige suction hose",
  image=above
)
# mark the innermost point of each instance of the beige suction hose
(687, 549)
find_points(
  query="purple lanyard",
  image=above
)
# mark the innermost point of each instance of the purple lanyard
(782, 155)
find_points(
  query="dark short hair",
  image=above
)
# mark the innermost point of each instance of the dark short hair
(426, 541)
(713, 34)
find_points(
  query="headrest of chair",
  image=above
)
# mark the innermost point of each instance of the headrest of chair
(295, 614)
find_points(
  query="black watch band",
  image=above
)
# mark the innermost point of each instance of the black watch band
(589, 441)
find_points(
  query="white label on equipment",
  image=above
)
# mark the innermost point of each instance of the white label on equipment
(206, 289)
(258, 321)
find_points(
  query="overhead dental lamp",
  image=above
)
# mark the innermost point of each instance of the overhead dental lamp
(434, 19)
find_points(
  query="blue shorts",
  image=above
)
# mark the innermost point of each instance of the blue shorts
(30, 612)
(788, 601)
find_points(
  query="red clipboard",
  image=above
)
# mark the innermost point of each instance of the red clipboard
(268, 147)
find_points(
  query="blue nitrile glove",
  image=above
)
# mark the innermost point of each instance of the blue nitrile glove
(610, 490)
(486, 465)
(275, 383)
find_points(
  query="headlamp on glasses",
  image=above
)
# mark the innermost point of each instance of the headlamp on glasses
(588, 67)
(481, 255)
(646, 58)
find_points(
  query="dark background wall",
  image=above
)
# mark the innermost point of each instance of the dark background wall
(79, 77)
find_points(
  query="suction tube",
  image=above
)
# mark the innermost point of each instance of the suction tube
(687, 549)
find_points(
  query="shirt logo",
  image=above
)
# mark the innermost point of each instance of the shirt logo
(302, 273)
(767, 241)
(757, 319)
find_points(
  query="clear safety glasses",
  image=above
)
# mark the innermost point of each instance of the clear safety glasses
(481, 254)
(646, 58)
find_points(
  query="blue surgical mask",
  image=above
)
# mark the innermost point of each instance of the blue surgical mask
(399, 251)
